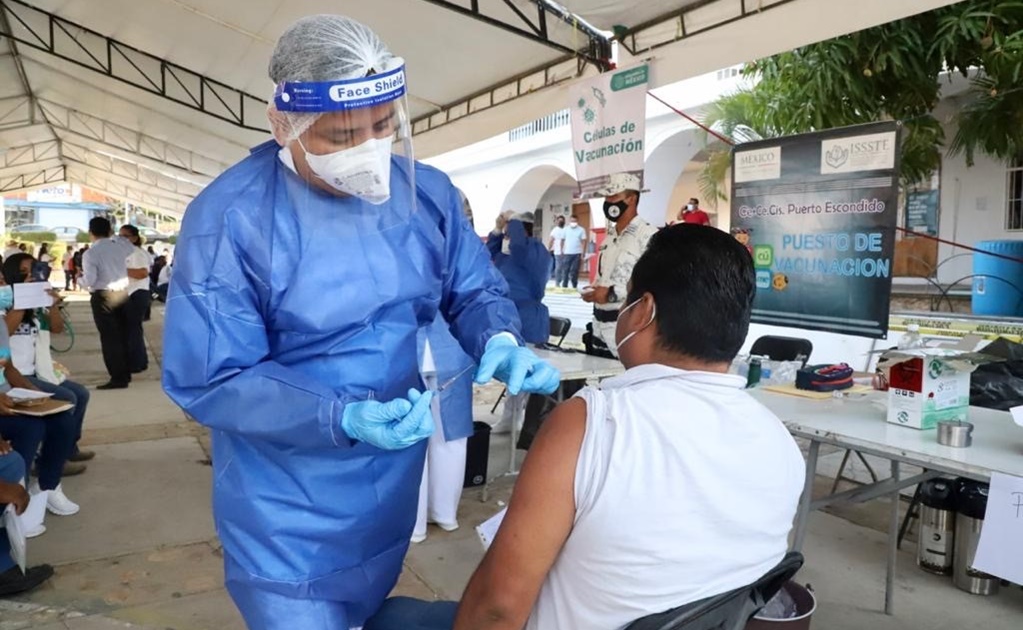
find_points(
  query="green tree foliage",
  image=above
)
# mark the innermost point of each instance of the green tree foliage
(895, 71)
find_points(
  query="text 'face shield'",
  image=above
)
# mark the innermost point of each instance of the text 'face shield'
(350, 140)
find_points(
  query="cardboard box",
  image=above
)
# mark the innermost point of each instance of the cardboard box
(929, 385)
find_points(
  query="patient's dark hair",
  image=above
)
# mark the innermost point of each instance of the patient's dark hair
(703, 283)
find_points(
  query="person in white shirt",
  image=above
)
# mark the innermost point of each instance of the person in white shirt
(139, 297)
(556, 246)
(106, 277)
(12, 249)
(575, 242)
(67, 266)
(666, 485)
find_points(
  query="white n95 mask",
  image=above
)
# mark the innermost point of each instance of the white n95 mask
(362, 171)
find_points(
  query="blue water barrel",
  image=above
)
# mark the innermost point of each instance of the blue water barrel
(997, 282)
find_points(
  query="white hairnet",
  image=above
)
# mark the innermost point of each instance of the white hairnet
(322, 48)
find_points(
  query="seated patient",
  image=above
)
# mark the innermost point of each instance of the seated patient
(666, 485)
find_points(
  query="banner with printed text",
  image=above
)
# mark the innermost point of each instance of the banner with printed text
(608, 127)
(818, 213)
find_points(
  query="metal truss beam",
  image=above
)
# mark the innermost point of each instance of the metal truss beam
(691, 20)
(126, 190)
(30, 154)
(598, 50)
(537, 32)
(122, 138)
(77, 154)
(548, 75)
(21, 181)
(675, 26)
(86, 48)
(15, 111)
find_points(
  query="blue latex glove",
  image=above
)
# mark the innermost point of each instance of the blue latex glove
(516, 367)
(392, 425)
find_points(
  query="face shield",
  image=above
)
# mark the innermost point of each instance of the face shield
(350, 139)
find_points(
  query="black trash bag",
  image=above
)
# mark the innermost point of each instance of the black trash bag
(538, 407)
(999, 385)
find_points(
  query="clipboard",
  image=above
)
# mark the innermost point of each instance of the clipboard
(42, 408)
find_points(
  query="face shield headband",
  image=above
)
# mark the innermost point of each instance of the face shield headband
(318, 97)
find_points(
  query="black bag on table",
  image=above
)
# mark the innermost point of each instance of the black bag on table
(538, 407)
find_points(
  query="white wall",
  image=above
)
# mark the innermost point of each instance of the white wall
(557, 200)
(973, 208)
(57, 217)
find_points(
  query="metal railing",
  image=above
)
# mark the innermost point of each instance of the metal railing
(541, 125)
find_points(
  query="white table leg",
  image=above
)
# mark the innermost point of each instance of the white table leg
(893, 545)
(803, 515)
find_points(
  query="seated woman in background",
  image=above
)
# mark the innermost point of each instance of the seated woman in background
(666, 485)
(23, 327)
(56, 433)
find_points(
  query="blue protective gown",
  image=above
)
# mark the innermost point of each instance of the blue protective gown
(285, 304)
(527, 269)
(450, 360)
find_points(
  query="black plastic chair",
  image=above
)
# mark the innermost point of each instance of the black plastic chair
(559, 328)
(727, 611)
(783, 348)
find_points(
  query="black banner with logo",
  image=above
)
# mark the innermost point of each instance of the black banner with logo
(818, 213)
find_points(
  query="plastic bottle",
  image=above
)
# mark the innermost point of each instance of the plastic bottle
(911, 339)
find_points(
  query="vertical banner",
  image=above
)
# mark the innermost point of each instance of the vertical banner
(608, 127)
(818, 212)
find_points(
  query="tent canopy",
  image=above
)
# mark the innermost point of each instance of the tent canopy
(148, 101)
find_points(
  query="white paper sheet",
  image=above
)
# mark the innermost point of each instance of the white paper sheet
(1000, 552)
(487, 530)
(16, 536)
(32, 295)
(1017, 415)
(18, 394)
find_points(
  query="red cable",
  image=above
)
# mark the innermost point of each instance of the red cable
(959, 245)
(690, 119)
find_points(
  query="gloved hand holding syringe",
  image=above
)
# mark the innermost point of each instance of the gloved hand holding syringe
(397, 424)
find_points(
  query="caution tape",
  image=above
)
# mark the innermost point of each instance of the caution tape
(958, 327)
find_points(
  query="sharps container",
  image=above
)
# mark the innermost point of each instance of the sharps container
(971, 503)
(937, 526)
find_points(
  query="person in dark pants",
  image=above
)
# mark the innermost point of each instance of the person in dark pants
(139, 298)
(105, 275)
(76, 261)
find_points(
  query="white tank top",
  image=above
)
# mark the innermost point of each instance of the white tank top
(685, 487)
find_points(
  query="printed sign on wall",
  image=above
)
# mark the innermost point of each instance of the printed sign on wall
(608, 127)
(818, 213)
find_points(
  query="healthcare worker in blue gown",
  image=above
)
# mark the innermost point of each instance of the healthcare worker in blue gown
(525, 264)
(445, 365)
(309, 377)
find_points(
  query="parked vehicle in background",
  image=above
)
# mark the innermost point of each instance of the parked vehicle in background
(67, 234)
(31, 227)
(153, 236)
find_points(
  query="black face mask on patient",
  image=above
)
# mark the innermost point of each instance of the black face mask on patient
(614, 210)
